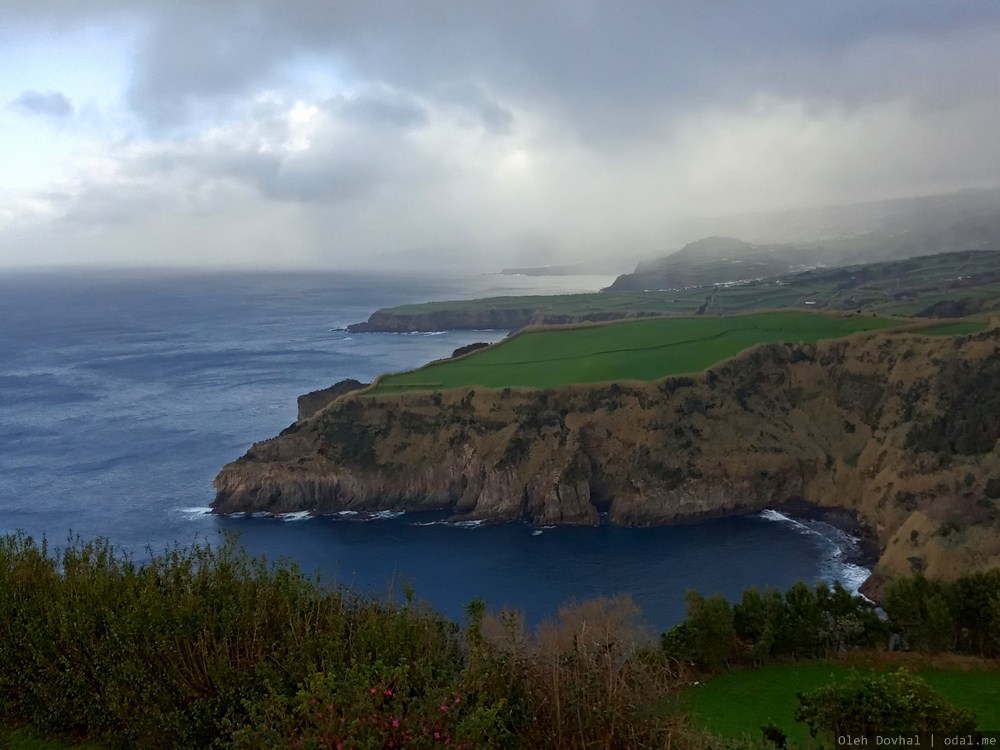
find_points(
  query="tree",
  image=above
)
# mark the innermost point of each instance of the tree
(707, 637)
(802, 622)
(918, 609)
(847, 620)
(974, 599)
(758, 621)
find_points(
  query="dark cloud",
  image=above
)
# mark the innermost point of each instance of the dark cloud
(605, 68)
(52, 104)
(379, 108)
(599, 64)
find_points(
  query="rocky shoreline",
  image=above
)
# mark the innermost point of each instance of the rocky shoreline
(865, 554)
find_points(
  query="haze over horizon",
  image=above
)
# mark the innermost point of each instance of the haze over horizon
(251, 133)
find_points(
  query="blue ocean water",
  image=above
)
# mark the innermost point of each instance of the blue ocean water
(122, 394)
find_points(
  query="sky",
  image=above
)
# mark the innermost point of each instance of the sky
(472, 133)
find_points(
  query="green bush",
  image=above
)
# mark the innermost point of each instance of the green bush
(891, 702)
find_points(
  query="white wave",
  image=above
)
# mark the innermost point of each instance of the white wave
(262, 514)
(195, 512)
(445, 522)
(346, 513)
(852, 576)
(835, 567)
(301, 515)
(381, 515)
(773, 515)
(536, 532)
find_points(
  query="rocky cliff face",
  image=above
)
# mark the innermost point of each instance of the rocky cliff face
(441, 320)
(312, 402)
(901, 429)
(472, 318)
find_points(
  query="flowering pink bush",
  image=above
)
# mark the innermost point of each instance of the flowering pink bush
(332, 717)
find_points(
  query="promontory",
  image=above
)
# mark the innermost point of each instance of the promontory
(899, 426)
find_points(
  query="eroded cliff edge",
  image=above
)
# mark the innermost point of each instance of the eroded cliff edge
(900, 428)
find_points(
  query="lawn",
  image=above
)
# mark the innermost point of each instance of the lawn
(633, 350)
(741, 703)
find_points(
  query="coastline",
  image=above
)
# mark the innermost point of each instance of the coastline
(864, 554)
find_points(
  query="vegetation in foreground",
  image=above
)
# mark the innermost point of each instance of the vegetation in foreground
(206, 647)
(23, 739)
(634, 350)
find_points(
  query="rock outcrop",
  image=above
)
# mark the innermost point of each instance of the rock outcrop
(312, 402)
(899, 428)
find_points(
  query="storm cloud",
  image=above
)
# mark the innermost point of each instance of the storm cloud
(563, 128)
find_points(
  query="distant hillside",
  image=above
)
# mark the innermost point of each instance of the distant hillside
(776, 244)
(952, 221)
(942, 285)
(715, 260)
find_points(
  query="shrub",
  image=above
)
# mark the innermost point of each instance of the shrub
(891, 702)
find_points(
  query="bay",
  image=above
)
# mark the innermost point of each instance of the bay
(123, 393)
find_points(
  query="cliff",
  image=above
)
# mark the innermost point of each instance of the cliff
(390, 321)
(310, 403)
(899, 428)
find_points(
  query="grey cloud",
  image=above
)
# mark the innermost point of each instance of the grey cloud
(380, 108)
(51, 104)
(494, 116)
(602, 66)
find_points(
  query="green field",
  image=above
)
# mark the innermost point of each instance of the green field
(741, 703)
(634, 350)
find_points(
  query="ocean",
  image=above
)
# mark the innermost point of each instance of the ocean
(123, 393)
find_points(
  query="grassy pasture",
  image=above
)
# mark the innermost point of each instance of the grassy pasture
(740, 703)
(953, 328)
(633, 350)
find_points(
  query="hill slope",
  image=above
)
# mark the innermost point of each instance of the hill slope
(959, 283)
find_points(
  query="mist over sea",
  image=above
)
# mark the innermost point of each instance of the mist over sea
(122, 394)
